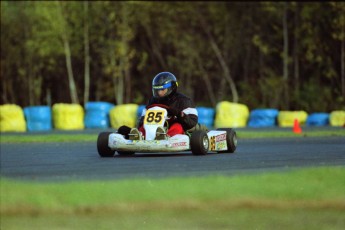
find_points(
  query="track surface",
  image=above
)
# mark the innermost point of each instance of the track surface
(80, 161)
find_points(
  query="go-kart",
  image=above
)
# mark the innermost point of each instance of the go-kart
(199, 141)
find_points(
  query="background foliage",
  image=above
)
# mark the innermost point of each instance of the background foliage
(285, 55)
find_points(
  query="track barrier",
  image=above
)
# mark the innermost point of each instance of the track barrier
(38, 118)
(97, 114)
(104, 115)
(68, 116)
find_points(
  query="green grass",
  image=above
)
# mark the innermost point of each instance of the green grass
(300, 199)
(27, 138)
(72, 137)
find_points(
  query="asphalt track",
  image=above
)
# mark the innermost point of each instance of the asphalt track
(80, 161)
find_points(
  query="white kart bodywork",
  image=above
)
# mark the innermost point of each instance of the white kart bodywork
(199, 142)
(177, 143)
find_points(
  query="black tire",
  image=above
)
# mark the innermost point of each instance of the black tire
(199, 142)
(102, 145)
(231, 140)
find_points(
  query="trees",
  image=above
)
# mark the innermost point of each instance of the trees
(264, 54)
(86, 52)
(338, 34)
(55, 15)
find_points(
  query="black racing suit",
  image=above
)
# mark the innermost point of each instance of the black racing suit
(179, 102)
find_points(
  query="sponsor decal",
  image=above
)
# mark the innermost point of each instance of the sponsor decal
(221, 137)
(167, 85)
(221, 145)
(179, 144)
(213, 143)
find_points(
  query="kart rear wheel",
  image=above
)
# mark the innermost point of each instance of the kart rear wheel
(199, 142)
(102, 145)
(231, 140)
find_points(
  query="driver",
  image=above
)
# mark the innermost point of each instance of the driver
(181, 109)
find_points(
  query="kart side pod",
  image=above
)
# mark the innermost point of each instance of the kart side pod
(222, 140)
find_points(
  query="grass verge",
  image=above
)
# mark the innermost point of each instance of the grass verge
(27, 138)
(300, 199)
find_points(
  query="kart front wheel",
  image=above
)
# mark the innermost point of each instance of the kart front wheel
(102, 145)
(231, 140)
(199, 142)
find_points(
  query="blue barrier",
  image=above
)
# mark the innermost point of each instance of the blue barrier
(97, 114)
(38, 118)
(318, 119)
(263, 118)
(206, 116)
(140, 110)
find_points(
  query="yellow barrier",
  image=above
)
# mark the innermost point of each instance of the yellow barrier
(125, 114)
(287, 118)
(12, 118)
(230, 115)
(68, 116)
(337, 118)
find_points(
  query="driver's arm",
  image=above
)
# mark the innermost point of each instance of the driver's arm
(189, 115)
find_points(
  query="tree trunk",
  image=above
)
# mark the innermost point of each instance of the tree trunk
(246, 63)
(342, 64)
(48, 98)
(218, 53)
(128, 85)
(295, 52)
(30, 80)
(86, 54)
(71, 82)
(155, 47)
(208, 83)
(225, 68)
(4, 87)
(126, 79)
(118, 86)
(118, 80)
(285, 57)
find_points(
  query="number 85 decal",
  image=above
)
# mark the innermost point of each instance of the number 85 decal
(154, 117)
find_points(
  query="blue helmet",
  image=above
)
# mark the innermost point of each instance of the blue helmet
(164, 80)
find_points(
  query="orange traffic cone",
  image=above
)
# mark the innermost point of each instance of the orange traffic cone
(296, 127)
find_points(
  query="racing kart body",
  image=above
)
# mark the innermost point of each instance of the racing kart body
(200, 142)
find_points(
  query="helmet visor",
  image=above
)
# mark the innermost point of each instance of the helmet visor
(157, 88)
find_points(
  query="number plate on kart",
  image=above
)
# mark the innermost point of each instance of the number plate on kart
(155, 117)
